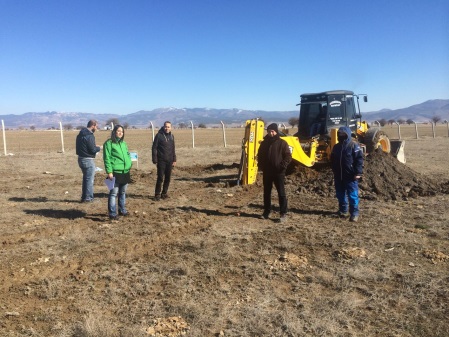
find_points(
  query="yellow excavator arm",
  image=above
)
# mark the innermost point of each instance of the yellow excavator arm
(254, 133)
(254, 130)
(298, 153)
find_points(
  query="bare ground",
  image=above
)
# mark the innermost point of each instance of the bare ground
(202, 263)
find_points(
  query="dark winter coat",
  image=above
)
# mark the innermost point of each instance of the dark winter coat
(347, 158)
(163, 147)
(85, 144)
(274, 155)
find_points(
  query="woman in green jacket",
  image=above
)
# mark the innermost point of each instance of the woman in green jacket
(117, 163)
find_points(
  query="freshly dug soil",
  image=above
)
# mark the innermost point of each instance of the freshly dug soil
(384, 178)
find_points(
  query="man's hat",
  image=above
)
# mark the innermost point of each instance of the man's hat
(273, 126)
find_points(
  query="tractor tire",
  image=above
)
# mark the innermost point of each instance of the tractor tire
(377, 139)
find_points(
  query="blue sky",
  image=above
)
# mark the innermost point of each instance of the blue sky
(125, 56)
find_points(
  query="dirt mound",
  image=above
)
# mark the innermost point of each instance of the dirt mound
(387, 178)
(384, 178)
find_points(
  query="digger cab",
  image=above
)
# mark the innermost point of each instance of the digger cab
(323, 111)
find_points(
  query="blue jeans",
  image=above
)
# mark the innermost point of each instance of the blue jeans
(120, 190)
(87, 165)
(347, 190)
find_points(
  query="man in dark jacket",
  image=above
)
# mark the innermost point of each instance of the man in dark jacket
(164, 156)
(273, 158)
(86, 149)
(347, 165)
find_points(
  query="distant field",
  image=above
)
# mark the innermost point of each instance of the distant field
(137, 139)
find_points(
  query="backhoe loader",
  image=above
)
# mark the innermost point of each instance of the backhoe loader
(320, 116)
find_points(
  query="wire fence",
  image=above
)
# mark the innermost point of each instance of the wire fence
(416, 131)
(28, 141)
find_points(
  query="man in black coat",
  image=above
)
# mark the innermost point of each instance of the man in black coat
(273, 158)
(164, 156)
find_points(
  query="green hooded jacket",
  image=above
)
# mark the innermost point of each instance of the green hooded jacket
(116, 157)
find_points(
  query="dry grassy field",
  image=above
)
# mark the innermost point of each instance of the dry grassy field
(202, 263)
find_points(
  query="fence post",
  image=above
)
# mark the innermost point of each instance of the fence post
(152, 129)
(4, 136)
(447, 123)
(224, 133)
(433, 129)
(416, 129)
(399, 129)
(62, 137)
(193, 135)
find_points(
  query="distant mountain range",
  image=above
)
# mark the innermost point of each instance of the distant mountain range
(423, 112)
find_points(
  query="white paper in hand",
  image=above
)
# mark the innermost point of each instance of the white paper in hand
(110, 183)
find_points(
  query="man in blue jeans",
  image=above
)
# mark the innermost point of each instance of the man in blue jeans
(86, 149)
(347, 165)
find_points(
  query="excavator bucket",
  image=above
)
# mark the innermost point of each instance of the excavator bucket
(397, 149)
(298, 153)
(254, 133)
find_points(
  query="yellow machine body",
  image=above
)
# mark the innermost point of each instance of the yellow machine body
(321, 114)
(311, 152)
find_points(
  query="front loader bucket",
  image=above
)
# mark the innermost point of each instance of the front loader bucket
(397, 149)
(298, 153)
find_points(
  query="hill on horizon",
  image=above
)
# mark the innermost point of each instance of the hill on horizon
(419, 113)
(210, 117)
